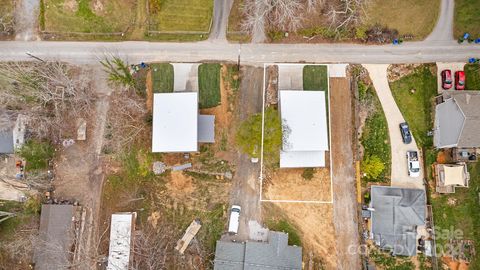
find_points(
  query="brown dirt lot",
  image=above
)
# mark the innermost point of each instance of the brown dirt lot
(344, 199)
(316, 230)
(288, 184)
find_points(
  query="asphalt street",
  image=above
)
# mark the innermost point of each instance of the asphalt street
(256, 54)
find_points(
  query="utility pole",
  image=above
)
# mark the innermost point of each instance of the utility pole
(238, 61)
(35, 57)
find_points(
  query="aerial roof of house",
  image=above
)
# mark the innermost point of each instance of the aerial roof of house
(275, 254)
(175, 122)
(305, 131)
(56, 225)
(397, 213)
(457, 120)
(120, 241)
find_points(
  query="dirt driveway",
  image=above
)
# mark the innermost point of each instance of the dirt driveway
(344, 196)
(78, 170)
(246, 186)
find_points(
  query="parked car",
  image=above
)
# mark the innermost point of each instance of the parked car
(446, 79)
(460, 80)
(413, 164)
(234, 219)
(405, 131)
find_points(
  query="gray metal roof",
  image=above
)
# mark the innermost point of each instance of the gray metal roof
(55, 237)
(7, 123)
(6, 142)
(457, 120)
(275, 254)
(206, 128)
(397, 213)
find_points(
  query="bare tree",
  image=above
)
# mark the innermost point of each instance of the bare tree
(346, 13)
(152, 247)
(52, 94)
(284, 14)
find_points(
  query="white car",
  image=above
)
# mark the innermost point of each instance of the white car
(413, 164)
(234, 219)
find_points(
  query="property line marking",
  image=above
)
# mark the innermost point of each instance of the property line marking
(329, 136)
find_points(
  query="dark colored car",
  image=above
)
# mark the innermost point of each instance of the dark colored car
(460, 80)
(406, 135)
(446, 79)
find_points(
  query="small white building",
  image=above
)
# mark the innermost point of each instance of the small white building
(304, 129)
(121, 227)
(177, 126)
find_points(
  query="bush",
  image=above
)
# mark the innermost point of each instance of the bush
(249, 135)
(361, 33)
(373, 167)
(308, 173)
(275, 35)
(37, 154)
(33, 205)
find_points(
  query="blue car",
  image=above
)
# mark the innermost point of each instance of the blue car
(405, 131)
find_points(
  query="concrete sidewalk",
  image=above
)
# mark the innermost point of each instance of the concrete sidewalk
(400, 178)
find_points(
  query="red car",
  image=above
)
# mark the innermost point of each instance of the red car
(446, 79)
(460, 80)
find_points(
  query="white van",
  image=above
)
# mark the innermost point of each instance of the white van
(234, 219)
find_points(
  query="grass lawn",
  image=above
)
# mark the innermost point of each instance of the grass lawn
(88, 16)
(472, 73)
(180, 15)
(282, 225)
(463, 214)
(412, 17)
(375, 138)
(162, 77)
(209, 85)
(417, 108)
(466, 18)
(315, 78)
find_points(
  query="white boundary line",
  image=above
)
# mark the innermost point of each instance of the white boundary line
(329, 136)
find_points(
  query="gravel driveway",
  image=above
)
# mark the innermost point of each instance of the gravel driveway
(400, 178)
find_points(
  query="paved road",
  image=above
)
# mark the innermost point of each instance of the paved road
(444, 28)
(136, 51)
(221, 11)
(400, 178)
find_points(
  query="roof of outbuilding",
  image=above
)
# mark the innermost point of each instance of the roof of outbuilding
(56, 236)
(275, 254)
(397, 213)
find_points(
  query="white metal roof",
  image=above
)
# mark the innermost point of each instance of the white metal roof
(175, 122)
(120, 240)
(304, 115)
(206, 128)
(302, 159)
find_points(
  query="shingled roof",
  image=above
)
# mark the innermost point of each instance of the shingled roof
(398, 212)
(457, 120)
(275, 254)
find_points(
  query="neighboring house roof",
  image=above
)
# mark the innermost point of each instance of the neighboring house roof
(175, 122)
(120, 241)
(457, 120)
(305, 131)
(397, 213)
(7, 124)
(55, 237)
(275, 254)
